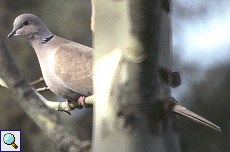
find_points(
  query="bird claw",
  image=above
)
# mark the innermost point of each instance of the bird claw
(67, 112)
(67, 109)
(71, 105)
(81, 101)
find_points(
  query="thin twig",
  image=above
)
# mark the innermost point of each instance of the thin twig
(3, 83)
(42, 89)
(39, 80)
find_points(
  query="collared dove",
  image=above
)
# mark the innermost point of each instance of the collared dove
(66, 66)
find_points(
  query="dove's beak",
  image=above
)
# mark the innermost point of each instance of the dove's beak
(12, 33)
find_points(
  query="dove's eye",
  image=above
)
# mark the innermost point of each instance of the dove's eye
(26, 23)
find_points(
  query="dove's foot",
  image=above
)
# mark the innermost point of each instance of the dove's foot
(73, 104)
(81, 101)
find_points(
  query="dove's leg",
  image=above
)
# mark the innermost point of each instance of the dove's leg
(81, 101)
(72, 104)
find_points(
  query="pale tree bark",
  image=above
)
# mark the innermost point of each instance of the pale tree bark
(132, 41)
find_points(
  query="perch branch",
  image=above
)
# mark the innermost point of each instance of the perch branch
(65, 106)
(58, 106)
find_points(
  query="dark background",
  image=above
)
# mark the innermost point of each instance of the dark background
(205, 73)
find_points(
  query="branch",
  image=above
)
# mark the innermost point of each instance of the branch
(37, 81)
(58, 106)
(92, 16)
(65, 106)
(42, 89)
(3, 83)
(46, 119)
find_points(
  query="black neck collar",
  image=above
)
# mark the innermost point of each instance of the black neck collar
(47, 39)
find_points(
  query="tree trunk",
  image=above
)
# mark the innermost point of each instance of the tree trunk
(132, 41)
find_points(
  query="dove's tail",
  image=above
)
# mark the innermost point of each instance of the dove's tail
(189, 114)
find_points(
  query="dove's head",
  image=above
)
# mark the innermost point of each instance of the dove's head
(29, 27)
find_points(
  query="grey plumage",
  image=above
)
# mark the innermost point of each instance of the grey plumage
(66, 66)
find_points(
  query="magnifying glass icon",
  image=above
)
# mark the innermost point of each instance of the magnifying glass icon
(9, 139)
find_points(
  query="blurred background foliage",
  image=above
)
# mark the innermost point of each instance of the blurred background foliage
(205, 76)
(201, 47)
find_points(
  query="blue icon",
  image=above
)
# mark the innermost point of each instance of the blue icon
(9, 139)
